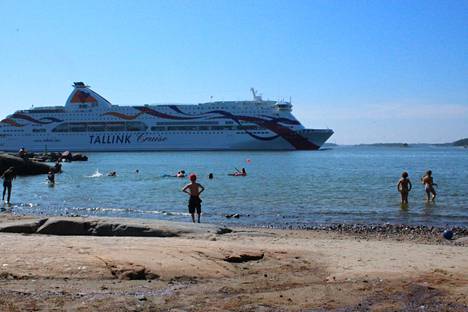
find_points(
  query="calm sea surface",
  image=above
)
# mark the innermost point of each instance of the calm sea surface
(338, 185)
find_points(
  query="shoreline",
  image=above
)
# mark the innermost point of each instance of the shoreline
(185, 266)
(420, 232)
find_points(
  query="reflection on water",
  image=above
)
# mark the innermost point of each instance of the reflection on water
(345, 184)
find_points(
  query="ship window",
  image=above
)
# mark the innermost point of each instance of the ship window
(184, 123)
(78, 127)
(39, 130)
(247, 127)
(115, 126)
(222, 128)
(97, 126)
(136, 126)
(158, 128)
(183, 128)
(44, 111)
(61, 128)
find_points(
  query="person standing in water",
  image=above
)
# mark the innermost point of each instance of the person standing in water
(8, 176)
(429, 184)
(51, 177)
(58, 167)
(404, 187)
(194, 189)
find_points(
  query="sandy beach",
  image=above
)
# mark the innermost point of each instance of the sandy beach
(200, 268)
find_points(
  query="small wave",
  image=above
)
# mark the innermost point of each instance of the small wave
(96, 174)
(133, 211)
(106, 209)
(167, 213)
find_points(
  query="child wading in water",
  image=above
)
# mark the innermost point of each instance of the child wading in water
(429, 184)
(194, 189)
(404, 187)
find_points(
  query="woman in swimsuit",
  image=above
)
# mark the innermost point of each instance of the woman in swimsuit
(404, 187)
(429, 184)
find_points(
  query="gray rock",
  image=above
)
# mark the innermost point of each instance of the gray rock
(22, 227)
(22, 166)
(54, 226)
(244, 257)
(111, 227)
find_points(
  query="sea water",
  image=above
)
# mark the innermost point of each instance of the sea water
(338, 185)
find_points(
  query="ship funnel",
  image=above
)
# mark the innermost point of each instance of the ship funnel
(82, 97)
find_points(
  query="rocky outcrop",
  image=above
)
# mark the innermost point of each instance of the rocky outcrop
(22, 166)
(245, 257)
(22, 227)
(110, 227)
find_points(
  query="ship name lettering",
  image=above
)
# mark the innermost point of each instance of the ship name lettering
(143, 138)
(110, 139)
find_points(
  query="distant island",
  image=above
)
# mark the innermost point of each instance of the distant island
(386, 144)
(462, 142)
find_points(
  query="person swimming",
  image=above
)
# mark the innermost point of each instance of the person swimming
(210, 176)
(238, 173)
(112, 174)
(404, 187)
(180, 174)
(429, 184)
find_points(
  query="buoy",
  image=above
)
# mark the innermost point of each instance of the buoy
(448, 234)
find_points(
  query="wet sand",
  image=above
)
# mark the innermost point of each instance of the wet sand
(246, 270)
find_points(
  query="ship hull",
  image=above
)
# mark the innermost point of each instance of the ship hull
(153, 141)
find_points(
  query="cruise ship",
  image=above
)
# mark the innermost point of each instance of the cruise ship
(90, 123)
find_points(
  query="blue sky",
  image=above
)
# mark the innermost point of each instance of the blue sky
(374, 71)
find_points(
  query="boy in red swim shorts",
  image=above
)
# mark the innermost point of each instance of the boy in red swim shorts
(194, 189)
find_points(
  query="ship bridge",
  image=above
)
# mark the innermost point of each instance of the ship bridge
(83, 98)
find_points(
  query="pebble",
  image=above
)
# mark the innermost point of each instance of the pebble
(381, 230)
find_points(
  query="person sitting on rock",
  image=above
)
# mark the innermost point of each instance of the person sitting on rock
(22, 153)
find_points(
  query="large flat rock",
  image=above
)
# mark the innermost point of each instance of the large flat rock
(22, 166)
(109, 227)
